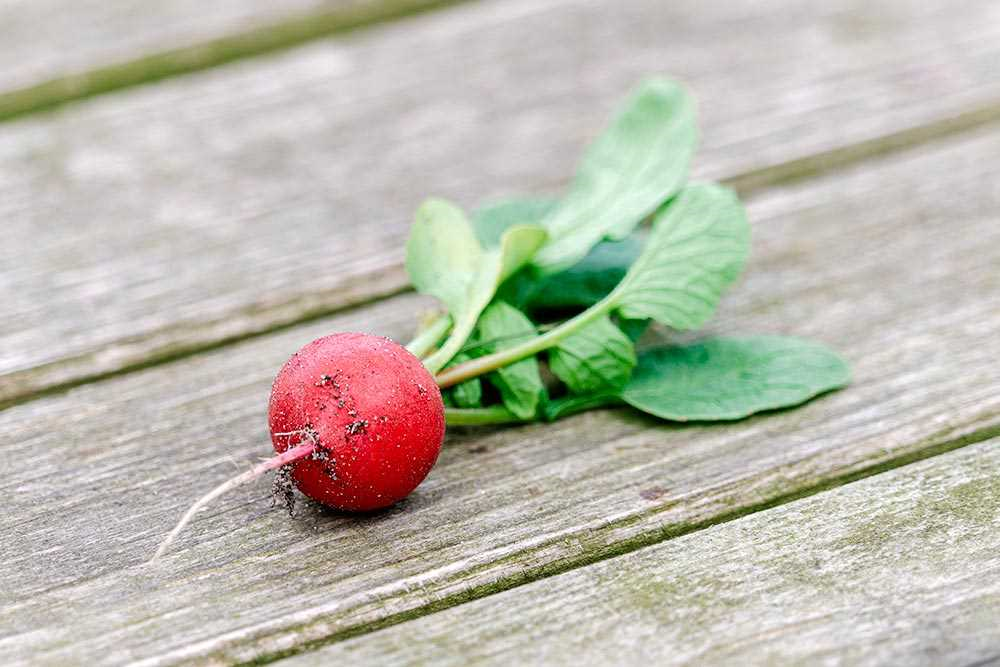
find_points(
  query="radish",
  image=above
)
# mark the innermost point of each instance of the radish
(372, 412)
(357, 423)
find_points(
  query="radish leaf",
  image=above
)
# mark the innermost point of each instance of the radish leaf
(583, 284)
(633, 328)
(443, 254)
(491, 221)
(598, 358)
(520, 384)
(445, 259)
(639, 162)
(697, 248)
(731, 378)
(574, 403)
(468, 394)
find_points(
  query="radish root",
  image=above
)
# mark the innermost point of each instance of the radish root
(300, 451)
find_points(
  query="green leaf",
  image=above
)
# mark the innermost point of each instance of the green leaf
(633, 328)
(697, 248)
(580, 286)
(468, 394)
(731, 378)
(639, 162)
(444, 259)
(491, 221)
(518, 245)
(598, 358)
(520, 383)
(443, 255)
(585, 283)
(574, 403)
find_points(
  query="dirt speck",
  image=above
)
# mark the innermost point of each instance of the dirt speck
(357, 426)
(282, 489)
(320, 454)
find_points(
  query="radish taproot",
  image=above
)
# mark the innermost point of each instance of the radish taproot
(356, 421)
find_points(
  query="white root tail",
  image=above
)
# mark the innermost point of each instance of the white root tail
(294, 454)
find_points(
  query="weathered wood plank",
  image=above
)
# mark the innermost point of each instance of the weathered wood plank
(52, 51)
(897, 270)
(902, 568)
(45, 39)
(212, 207)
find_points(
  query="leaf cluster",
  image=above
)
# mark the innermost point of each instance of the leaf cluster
(546, 298)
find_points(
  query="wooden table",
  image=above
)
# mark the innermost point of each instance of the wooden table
(189, 191)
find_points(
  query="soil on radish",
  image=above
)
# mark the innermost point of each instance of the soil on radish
(283, 489)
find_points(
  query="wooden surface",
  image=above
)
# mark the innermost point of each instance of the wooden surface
(172, 218)
(52, 51)
(899, 569)
(147, 233)
(36, 34)
(113, 463)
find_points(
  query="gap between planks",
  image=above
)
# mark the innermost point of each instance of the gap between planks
(310, 307)
(271, 38)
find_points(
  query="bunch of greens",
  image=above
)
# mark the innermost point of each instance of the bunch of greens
(569, 285)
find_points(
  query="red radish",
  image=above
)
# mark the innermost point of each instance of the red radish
(356, 419)
(371, 409)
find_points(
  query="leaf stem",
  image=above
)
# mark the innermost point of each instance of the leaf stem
(429, 337)
(496, 414)
(541, 328)
(459, 335)
(476, 367)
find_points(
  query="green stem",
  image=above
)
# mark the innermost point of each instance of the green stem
(459, 335)
(541, 328)
(426, 340)
(491, 362)
(496, 414)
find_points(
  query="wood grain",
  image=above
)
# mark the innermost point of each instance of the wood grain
(902, 568)
(52, 51)
(140, 227)
(896, 270)
(36, 35)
